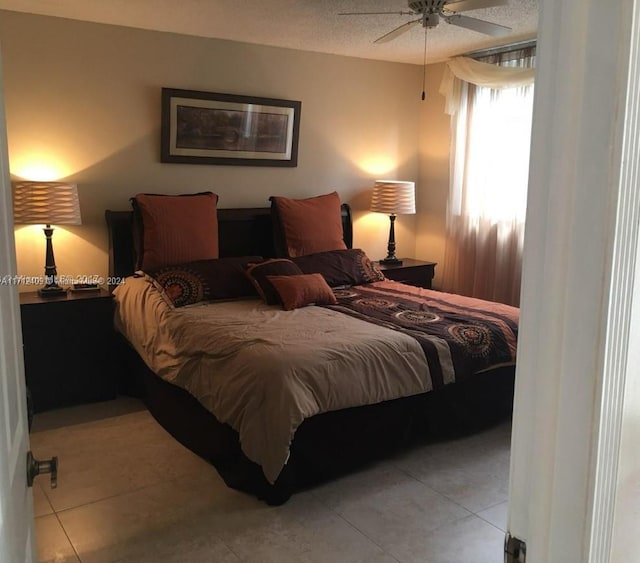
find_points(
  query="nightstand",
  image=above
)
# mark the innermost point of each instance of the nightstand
(67, 348)
(411, 272)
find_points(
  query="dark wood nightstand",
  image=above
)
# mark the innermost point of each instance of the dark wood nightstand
(68, 347)
(411, 272)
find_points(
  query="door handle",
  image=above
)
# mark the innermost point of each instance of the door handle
(36, 467)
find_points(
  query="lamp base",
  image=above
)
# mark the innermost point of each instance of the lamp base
(51, 291)
(51, 287)
(391, 262)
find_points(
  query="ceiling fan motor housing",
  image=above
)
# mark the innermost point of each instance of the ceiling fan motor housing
(430, 20)
(427, 6)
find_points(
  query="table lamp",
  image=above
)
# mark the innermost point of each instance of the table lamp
(393, 198)
(47, 203)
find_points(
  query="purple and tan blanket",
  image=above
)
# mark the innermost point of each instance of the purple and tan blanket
(460, 336)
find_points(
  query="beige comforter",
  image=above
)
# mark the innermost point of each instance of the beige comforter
(263, 370)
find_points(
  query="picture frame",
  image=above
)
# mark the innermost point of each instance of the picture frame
(228, 129)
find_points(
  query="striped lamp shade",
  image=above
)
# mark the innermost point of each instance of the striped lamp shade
(393, 197)
(46, 203)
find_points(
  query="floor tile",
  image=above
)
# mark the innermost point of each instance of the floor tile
(390, 507)
(188, 522)
(152, 524)
(41, 504)
(472, 471)
(129, 492)
(491, 442)
(70, 416)
(476, 487)
(120, 455)
(469, 540)
(303, 530)
(496, 515)
(52, 543)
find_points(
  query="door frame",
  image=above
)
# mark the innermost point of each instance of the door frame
(579, 271)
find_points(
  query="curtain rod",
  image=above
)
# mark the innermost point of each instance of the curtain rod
(500, 49)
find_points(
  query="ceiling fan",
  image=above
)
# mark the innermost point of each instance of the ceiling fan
(430, 12)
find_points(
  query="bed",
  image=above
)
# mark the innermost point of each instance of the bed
(319, 442)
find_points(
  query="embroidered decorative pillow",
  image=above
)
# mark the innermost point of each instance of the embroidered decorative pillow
(306, 226)
(302, 290)
(258, 274)
(204, 280)
(341, 267)
(174, 229)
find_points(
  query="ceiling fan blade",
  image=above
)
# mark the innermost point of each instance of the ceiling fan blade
(397, 31)
(402, 13)
(466, 5)
(480, 26)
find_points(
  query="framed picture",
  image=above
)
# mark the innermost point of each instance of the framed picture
(211, 128)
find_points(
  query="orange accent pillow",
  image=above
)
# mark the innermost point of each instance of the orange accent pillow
(175, 229)
(302, 290)
(309, 225)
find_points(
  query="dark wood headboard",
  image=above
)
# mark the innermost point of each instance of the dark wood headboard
(241, 232)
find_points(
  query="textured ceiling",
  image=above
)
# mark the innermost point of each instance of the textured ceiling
(311, 25)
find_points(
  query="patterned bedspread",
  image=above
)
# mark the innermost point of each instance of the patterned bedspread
(460, 336)
(263, 370)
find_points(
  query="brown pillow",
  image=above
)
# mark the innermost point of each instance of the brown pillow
(308, 225)
(258, 274)
(175, 229)
(341, 267)
(302, 290)
(204, 280)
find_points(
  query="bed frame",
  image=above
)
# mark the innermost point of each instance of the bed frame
(326, 445)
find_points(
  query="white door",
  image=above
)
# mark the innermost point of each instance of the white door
(16, 499)
(575, 352)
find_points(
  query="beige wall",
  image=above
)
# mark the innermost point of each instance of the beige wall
(83, 104)
(433, 181)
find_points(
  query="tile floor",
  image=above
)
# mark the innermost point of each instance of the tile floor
(128, 492)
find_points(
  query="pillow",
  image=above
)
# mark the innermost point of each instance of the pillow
(341, 267)
(203, 280)
(258, 273)
(302, 290)
(174, 229)
(309, 225)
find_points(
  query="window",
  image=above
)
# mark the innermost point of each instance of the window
(491, 134)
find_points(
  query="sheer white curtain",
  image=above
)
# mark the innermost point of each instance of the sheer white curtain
(491, 109)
